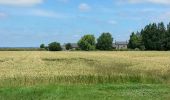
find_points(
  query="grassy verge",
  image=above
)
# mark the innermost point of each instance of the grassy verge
(87, 92)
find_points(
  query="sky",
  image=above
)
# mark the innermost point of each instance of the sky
(28, 23)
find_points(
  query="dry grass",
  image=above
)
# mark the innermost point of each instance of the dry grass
(29, 68)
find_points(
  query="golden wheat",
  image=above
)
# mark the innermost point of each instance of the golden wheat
(84, 67)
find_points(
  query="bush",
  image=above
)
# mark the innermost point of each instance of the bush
(104, 42)
(137, 49)
(142, 47)
(46, 48)
(87, 43)
(68, 46)
(42, 46)
(54, 46)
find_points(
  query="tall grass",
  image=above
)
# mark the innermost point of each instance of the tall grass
(31, 68)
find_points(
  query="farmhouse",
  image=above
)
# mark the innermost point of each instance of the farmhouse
(74, 46)
(120, 45)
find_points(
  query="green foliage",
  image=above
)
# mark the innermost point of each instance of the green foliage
(152, 37)
(42, 46)
(68, 46)
(87, 43)
(104, 42)
(137, 49)
(46, 48)
(135, 41)
(167, 43)
(54, 46)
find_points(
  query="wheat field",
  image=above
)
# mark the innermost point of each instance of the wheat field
(84, 71)
(84, 67)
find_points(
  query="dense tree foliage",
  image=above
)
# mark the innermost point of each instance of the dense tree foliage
(87, 43)
(68, 46)
(167, 43)
(105, 42)
(54, 46)
(152, 37)
(135, 41)
(42, 46)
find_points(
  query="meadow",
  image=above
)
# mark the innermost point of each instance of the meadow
(43, 75)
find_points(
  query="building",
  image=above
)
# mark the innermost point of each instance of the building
(74, 46)
(120, 45)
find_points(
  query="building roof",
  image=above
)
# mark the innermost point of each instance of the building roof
(74, 45)
(121, 43)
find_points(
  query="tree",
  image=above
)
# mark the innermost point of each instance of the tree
(161, 36)
(153, 36)
(105, 42)
(150, 37)
(135, 41)
(167, 43)
(54, 46)
(68, 46)
(87, 43)
(42, 46)
(46, 48)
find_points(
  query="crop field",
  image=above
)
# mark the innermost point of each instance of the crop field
(42, 75)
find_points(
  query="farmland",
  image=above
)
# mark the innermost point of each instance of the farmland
(84, 75)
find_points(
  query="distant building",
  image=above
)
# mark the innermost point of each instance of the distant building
(74, 46)
(120, 45)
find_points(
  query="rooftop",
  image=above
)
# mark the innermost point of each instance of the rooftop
(121, 43)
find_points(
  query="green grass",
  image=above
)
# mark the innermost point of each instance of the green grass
(87, 92)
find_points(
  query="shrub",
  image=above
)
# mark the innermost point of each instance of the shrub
(137, 49)
(142, 47)
(54, 46)
(87, 43)
(42, 46)
(104, 42)
(68, 46)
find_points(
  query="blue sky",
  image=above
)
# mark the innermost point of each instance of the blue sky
(28, 23)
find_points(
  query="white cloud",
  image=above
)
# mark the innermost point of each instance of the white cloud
(165, 2)
(84, 7)
(20, 2)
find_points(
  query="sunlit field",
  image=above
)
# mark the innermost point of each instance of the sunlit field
(84, 75)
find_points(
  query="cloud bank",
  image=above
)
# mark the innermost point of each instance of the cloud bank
(20, 2)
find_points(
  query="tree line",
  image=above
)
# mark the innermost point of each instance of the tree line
(152, 37)
(86, 43)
